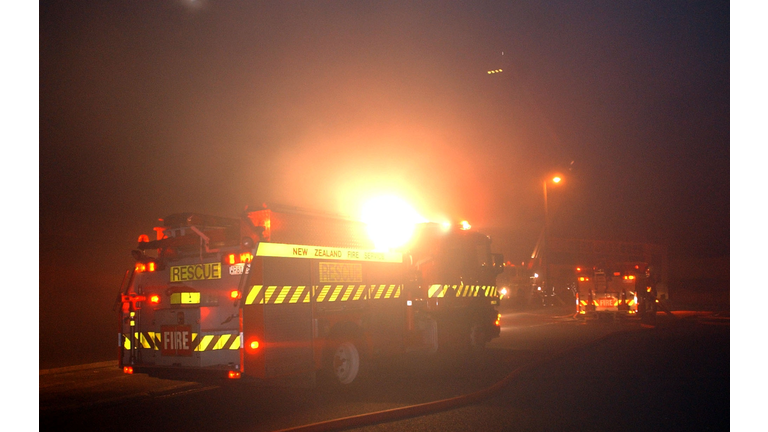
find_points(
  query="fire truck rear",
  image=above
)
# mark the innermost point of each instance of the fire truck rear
(618, 289)
(279, 293)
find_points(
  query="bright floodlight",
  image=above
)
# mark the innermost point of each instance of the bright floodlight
(391, 221)
(556, 179)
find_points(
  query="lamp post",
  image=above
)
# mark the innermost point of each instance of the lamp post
(545, 242)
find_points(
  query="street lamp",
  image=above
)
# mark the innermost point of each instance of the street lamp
(545, 239)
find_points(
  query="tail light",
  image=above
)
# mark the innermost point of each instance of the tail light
(252, 346)
(234, 375)
(128, 369)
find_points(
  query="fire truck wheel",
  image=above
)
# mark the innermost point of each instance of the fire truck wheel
(477, 338)
(345, 363)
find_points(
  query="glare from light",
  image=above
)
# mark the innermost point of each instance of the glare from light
(556, 179)
(391, 221)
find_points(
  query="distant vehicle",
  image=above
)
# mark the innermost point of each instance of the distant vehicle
(618, 288)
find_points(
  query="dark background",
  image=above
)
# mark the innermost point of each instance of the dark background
(152, 108)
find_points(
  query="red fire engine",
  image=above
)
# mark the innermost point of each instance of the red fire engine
(286, 293)
(621, 288)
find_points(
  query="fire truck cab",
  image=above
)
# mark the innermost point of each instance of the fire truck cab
(285, 293)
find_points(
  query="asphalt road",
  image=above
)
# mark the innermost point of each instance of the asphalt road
(594, 375)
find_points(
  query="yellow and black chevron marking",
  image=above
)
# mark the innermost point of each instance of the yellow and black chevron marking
(260, 294)
(208, 342)
(440, 291)
(263, 295)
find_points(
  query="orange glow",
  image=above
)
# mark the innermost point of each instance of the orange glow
(143, 238)
(140, 267)
(151, 266)
(556, 179)
(234, 375)
(234, 294)
(246, 257)
(391, 221)
(465, 225)
(583, 279)
(128, 369)
(578, 269)
(154, 298)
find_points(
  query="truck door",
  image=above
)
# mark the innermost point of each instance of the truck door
(278, 312)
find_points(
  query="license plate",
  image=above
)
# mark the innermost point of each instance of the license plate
(176, 340)
(236, 269)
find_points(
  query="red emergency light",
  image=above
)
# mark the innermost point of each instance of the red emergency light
(252, 346)
(237, 258)
(149, 266)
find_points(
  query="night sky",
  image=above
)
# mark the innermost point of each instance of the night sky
(152, 108)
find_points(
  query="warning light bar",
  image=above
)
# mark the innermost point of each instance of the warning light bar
(238, 258)
(145, 267)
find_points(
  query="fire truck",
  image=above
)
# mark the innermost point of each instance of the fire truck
(284, 293)
(619, 289)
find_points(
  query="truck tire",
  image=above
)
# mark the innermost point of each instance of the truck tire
(477, 338)
(345, 362)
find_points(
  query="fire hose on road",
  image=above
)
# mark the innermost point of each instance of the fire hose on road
(401, 413)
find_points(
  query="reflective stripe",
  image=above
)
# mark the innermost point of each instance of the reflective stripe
(261, 295)
(301, 293)
(440, 291)
(208, 342)
(323, 292)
